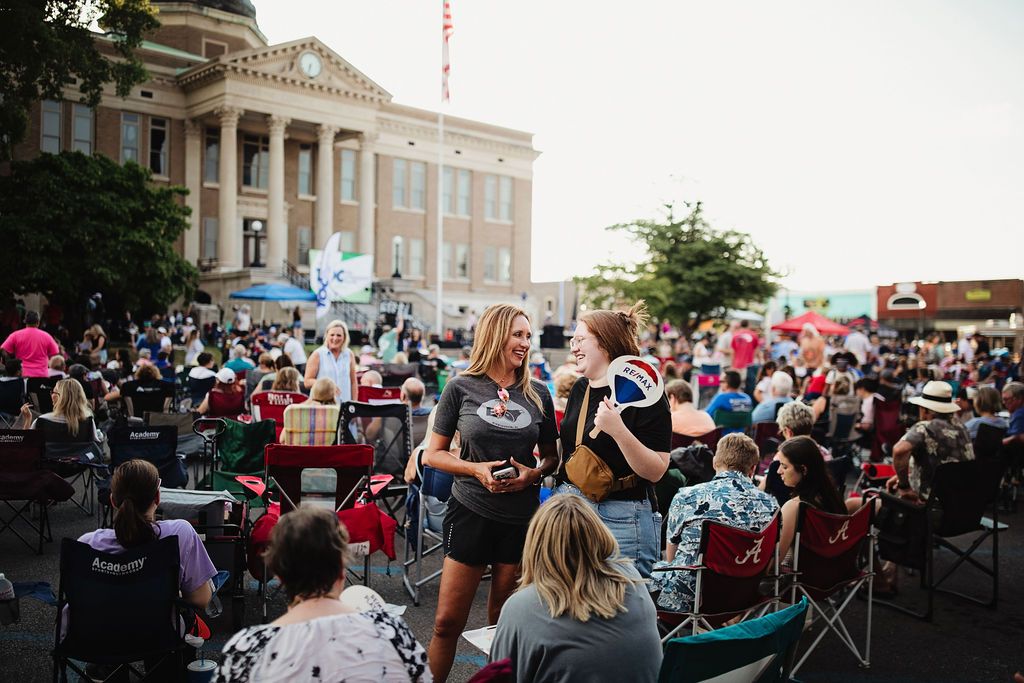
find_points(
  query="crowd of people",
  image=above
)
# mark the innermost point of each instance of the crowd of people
(586, 567)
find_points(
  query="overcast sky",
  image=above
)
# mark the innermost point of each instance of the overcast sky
(858, 143)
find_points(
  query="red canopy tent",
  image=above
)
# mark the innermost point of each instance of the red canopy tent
(821, 323)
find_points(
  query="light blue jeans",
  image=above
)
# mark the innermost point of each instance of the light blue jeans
(633, 524)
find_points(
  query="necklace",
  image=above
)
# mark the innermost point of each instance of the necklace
(501, 408)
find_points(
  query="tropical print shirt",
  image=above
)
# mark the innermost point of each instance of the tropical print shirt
(730, 498)
(935, 442)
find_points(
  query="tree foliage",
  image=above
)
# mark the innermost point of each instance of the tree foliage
(76, 224)
(688, 271)
(45, 44)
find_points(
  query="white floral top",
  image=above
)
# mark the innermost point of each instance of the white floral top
(374, 647)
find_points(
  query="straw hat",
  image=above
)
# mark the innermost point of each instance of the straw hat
(937, 397)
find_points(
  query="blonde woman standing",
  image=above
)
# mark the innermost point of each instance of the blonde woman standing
(501, 414)
(334, 360)
(582, 612)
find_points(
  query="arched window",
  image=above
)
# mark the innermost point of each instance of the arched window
(905, 301)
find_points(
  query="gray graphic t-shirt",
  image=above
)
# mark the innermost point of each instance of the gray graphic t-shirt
(467, 405)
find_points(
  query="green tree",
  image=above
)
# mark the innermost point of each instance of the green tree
(688, 272)
(46, 44)
(76, 224)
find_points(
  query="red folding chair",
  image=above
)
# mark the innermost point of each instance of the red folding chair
(826, 569)
(379, 395)
(681, 440)
(888, 428)
(730, 567)
(223, 404)
(270, 405)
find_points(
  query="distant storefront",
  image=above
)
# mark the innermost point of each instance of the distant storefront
(839, 305)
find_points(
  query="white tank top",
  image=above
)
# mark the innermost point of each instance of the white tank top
(339, 370)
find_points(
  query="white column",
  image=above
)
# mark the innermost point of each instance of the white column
(324, 185)
(194, 184)
(367, 192)
(229, 237)
(277, 221)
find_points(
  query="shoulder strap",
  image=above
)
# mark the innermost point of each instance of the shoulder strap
(582, 419)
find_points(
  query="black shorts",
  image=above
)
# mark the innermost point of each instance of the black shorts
(477, 541)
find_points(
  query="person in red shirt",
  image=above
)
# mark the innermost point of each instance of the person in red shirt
(32, 346)
(745, 343)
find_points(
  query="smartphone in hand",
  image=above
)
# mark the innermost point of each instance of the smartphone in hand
(504, 471)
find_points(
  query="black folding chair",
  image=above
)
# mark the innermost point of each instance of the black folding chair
(392, 445)
(23, 481)
(12, 397)
(909, 534)
(197, 389)
(152, 443)
(38, 390)
(140, 398)
(75, 457)
(839, 470)
(119, 610)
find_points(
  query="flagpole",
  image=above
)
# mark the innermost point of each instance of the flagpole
(439, 315)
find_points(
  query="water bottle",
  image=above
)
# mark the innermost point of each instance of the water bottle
(9, 612)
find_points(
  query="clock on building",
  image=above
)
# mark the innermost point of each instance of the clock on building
(310, 64)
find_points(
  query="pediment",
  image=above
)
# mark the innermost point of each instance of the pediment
(281, 63)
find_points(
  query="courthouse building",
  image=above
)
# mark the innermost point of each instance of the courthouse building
(282, 145)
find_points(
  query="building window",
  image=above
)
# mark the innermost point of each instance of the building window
(210, 228)
(348, 241)
(418, 185)
(505, 198)
(255, 161)
(51, 125)
(211, 170)
(305, 238)
(82, 138)
(905, 301)
(396, 256)
(158, 146)
(462, 261)
(465, 189)
(490, 262)
(491, 197)
(505, 265)
(416, 258)
(398, 177)
(305, 169)
(348, 175)
(446, 261)
(129, 138)
(447, 199)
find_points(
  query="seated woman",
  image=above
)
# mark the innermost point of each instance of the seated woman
(135, 496)
(802, 469)
(287, 379)
(226, 398)
(581, 612)
(313, 422)
(319, 637)
(71, 414)
(987, 402)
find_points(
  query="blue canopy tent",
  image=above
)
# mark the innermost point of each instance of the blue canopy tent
(273, 291)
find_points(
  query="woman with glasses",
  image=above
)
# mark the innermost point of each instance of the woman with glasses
(501, 414)
(633, 444)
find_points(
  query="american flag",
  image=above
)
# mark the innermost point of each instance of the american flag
(447, 29)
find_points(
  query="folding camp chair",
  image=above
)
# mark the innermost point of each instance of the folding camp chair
(12, 397)
(766, 436)
(759, 650)
(423, 524)
(392, 444)
(39, 391)
(839, 439)
(209, 430)
(76, 458)
(239, 450)
(826, 553)
(119, 609)
(197, 389)
(23, 481)
(681, 440)
(909, 533)
(270, 405)
(379, 395)
(888, 428)
(395, 374)
(839, 470)
(139, 397)
(733, 420)
(223, 404)
(988, 444)
(731, 564)
(154, 444)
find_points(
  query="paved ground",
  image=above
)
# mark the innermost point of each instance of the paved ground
(964, 643)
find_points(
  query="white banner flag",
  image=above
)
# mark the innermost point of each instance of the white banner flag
(338, 276)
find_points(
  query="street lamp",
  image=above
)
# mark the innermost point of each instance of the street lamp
(257, 228)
